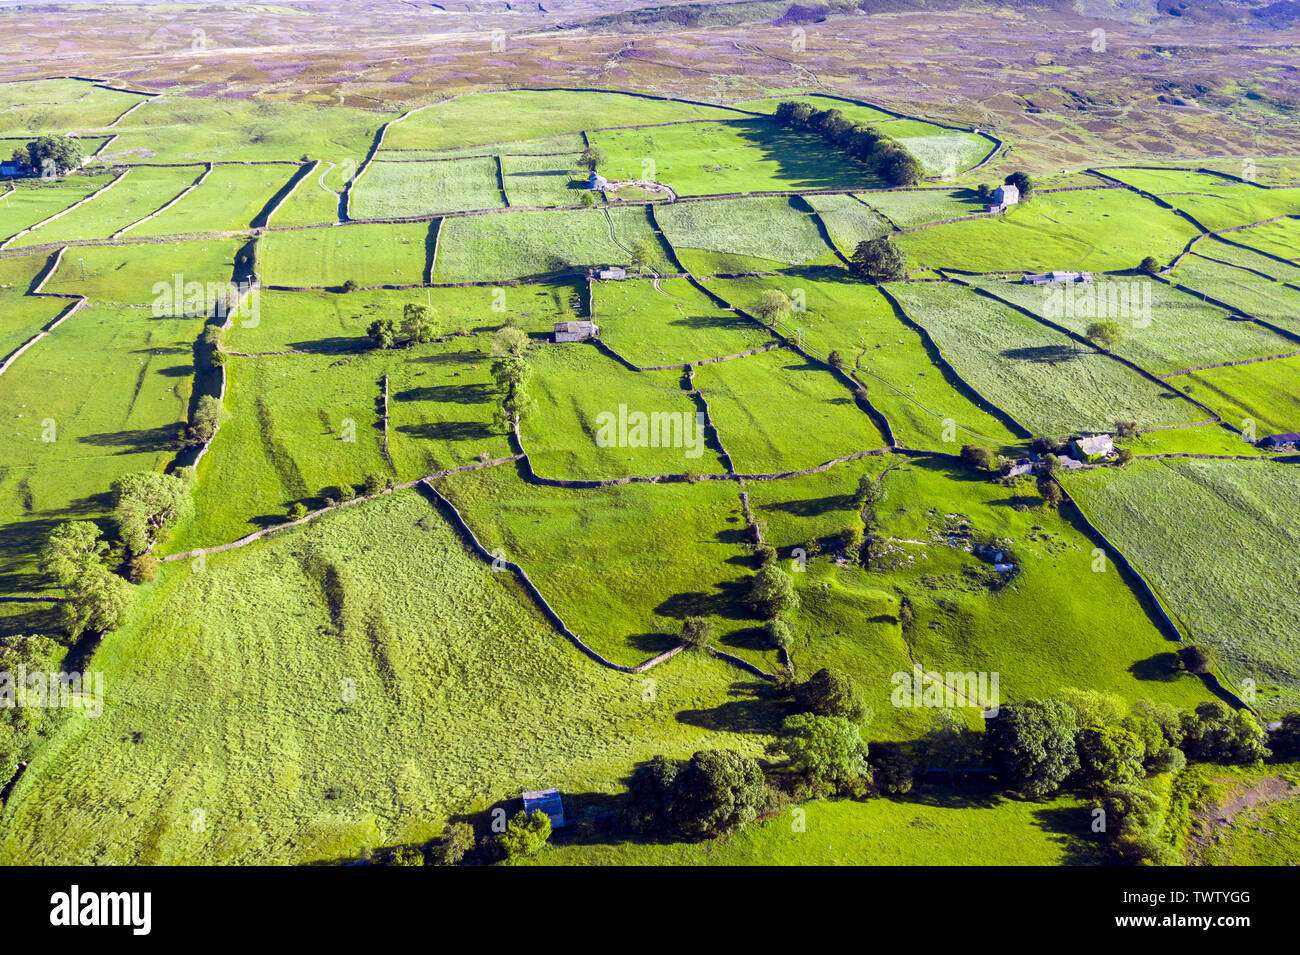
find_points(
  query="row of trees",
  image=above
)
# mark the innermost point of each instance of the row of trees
(415, 328)
(50, 155)
(864, 143)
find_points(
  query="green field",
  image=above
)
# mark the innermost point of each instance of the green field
(387, 189)
(737, 235)
(543, 180)
(1253, 295)
(848, 221)
(229, 199)
(909, 208)
(30, 202)
(366, 254)
(1220, 595)
(39, 107)
(1262, 392)
(139, 193)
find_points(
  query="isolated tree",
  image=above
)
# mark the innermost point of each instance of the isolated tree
(1126, 430)
(1124, 456)
(773, 306)
(826, 752)
(146, 504)
(832, 692)
(698, 631)
(1197, 658)
(642, 255)
(878, 260)
(510, 340)
(1049, 491)
(772, 593)
(835, 359)
(977, 456)
(984, 191)
(511, 374)
(870, 491)
(1031, 746)
(593, 156)
(525, 834)
(51, 155)
(383, 333)
(417, 323)
(1022, 182)
(779, 635)
(1149, 265)
(455, 844)
(1105, 333)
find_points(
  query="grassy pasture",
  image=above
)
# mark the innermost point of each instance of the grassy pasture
(943, 152)
(731, 235)
(775, 411)
(1097, 230)
(1179, 332)
(22, 315)
(190, 128)
(890, 358)
(110, 391)
(1045, 381)
(1214, 201)
(547, 146)
(416, 188)
(127, 274)
(1248, 259)
(632, 598)
(37, 107)
(926, 830)
(526, 244)
(228, 200)
(848, 221)
(852, 111)
(316, 198)
(908, 208)
(31, 201)
(534, 114)
(1264, 392)
(672, 326)
(462, 698)
(573, 384)
(753, 155)
(367, 254)
(1234, 598)
(141, 192)
(1281, 238)
(543, 180)
(1254, 295)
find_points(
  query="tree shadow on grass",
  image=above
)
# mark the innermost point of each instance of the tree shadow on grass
(331, 346)
(466, 394)
(653, 643)
(138, 441)
(448, 431)
(1042, 354)
(727, 602)
(1160, 667)
(811, 507)
(756, 708)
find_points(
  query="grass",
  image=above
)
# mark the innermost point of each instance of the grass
(452, 717)
(38, 107)
(1233, 598)
(778, 412)
(1045, 381)
(1263, 393)
(573, 385)
(932, 828)
(730, 231)
(1163, 329)
(141, 192)
(1280, 238)
(316, 197)
(366, 254)
(547, 146)
(128, 274)
(1215, 202)
(890, 358)
(1092, 230)
(674, 325)
(543, 180)
(749, 155)
(103, 396)
(848, 221)
(228, 200)
(466, 120)
(416, 188)
(943, 152)
(1253, 295)
(32, 201)
(586, 551)
(908, 208)
(518, 245)
(22, 315)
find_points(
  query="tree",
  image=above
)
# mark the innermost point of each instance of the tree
(525, 834)
(900, 168)
(350, 285)
(850, 541)
(830, 692)
(383, 333)
(1022, 182)
(870, 491)
(372, 485)
(1106, 333)
(417, 323)
(454, 845)
(406, 856)
(1049, 491)
(510, 340)
(511, 374)
(1198, 658)
(779, 635)
(1124, 456)
(978, 456)
(772, 593)
(878, 260)
(642, 255)
(52, 155)
(826, 752)
(1131, 811)
(1031, 746)
(209, 415)
(94, 597)
(650, 794)
(146, 504)
(593, 156)
(697, 631)
(716, 791)
(1215, 734)
(1284, 740)
(1109, 755)
(893, 766)
(1126, 430)
(835, 359)
(984, 191)
(773, 306)
(1149, 265)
